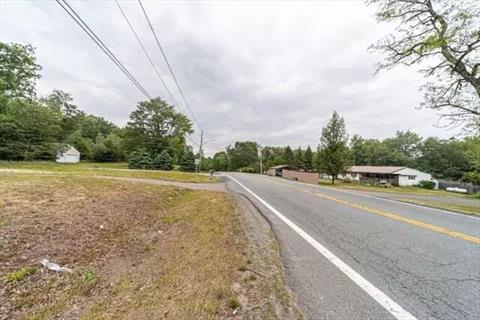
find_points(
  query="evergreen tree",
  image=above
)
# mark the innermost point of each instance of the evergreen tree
(299, 158)
(333, 157)
(187, 160)
(308, 159)
(163, 161)
(140, 159)
(288, 156)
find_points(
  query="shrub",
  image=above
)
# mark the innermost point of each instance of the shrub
(163, 161)
(187, 161)
(19, 275)
(247, 170)
(140, 159)
(472, 177)
(427, 184)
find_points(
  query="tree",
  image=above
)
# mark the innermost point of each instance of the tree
(288, 156)
(443, 36)
(404, 147)
(444, 159)
(187, 160)
(140, 159)
(83, 145)
(155, 125)
(60, 102)
(220, 161)
(308, 159)
(299, 159)
(243, 154)
(472, 146)
(18, 72)
(163, 161)
(333, 157)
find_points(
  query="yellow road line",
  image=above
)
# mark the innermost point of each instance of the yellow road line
(393, 216)
(397, 217)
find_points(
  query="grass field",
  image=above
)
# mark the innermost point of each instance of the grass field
(102, 169)
(393, 189)
(439, 199)
(137, 251)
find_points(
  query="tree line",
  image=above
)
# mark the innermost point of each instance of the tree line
(448, 159)
(34, 128)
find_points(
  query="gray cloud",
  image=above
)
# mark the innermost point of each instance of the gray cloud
(266, 71)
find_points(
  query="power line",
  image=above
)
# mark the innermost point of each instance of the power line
(73, 14)
(146, 53)
(169, 66)
(101, 45)
(150, 61)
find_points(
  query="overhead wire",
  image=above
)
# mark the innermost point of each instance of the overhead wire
(180, 90)
(146, 53)
(73, 14)
(150, 60)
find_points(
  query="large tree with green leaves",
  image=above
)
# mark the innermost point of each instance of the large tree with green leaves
(155, 126)
(18, 72)
(443, 37)
(243, 154)
(333, 156)
(220, 161)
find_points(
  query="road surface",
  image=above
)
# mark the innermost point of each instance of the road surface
(348, 255)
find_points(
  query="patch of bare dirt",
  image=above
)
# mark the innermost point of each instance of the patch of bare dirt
(137, 251)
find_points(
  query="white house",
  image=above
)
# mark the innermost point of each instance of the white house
(399, 176)
(68, 154)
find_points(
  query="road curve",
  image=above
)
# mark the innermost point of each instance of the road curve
(352, 256)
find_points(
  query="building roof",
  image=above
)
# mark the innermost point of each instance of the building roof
(67, 150)
(281, 166)
(375, 169)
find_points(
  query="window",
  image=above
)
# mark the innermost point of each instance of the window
(411, 177)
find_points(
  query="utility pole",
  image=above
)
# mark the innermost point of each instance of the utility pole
(259, 150)
(200, 152)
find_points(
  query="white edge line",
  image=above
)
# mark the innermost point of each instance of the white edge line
(391, 306)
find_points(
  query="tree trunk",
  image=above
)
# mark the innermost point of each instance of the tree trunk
(333, 179)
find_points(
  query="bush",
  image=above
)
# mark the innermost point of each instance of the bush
(163, 161)
(472, 177)
(187, 161)
(427, 184)
(247, 170)
(140, 159)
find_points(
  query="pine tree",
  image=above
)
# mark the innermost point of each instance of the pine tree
(288, 156)
(308, 159)
(333, 157)
(299, 159)
(163, 161)
(140, 159)
(187, 161)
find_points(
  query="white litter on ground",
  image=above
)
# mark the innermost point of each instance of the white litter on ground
(53, 266)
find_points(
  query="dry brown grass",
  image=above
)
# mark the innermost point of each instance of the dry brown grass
(137, 251)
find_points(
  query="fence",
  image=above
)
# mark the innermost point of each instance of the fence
(308, 177)
(443, 185)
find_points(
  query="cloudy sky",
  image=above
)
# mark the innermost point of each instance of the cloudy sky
(270, 71)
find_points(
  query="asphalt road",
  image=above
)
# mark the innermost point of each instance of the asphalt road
(348, 255)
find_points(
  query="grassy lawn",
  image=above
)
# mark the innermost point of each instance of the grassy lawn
(393, 189)
(137, 251)
(103, 169)
(465, 209)
(438, 199)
